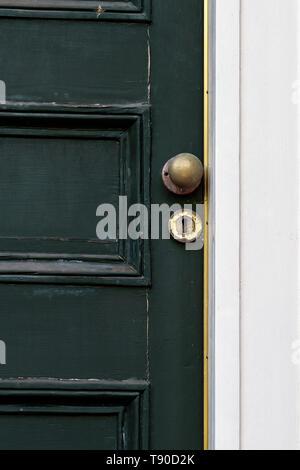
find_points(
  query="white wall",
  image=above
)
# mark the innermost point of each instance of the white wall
(255, 400)
(270, 223)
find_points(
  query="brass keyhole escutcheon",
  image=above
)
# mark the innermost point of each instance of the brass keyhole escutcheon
(185, 226)
(183, 174)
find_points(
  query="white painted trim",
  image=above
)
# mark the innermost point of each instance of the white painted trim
(225, 226)
(270, 225)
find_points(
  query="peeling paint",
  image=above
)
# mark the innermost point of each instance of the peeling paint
(99, 10)
(2, 352)
(49, 105)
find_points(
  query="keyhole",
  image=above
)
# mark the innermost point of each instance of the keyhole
(187, 226)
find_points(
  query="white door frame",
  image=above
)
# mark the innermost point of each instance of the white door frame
(224, 283)
(255, 219)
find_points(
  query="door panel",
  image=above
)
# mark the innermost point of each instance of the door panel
(55, 170)
(101, 416)
(104, 339)
(74, 62)
(70, 332)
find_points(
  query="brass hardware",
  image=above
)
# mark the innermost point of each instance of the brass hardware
(185, 226)
(183, 174)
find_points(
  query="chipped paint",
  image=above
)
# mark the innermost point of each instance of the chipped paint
(99, 11)
(48, 105)
(2, 352)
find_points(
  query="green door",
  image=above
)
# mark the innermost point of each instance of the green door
(103, 338)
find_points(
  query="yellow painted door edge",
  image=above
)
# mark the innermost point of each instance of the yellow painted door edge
(206, 226)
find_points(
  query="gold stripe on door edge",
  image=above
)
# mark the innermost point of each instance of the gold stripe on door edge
(206, 226)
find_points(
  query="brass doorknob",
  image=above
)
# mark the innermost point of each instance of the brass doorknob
(183, 174)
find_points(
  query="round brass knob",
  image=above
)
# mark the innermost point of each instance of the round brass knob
(183, 173)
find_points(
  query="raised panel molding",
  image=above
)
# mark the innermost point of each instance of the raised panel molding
(45, 258)
(124, 10)
(125, 403)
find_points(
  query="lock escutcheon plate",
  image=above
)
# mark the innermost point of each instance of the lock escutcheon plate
(185, 226)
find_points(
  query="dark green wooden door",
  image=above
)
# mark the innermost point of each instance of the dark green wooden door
(103, 338)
